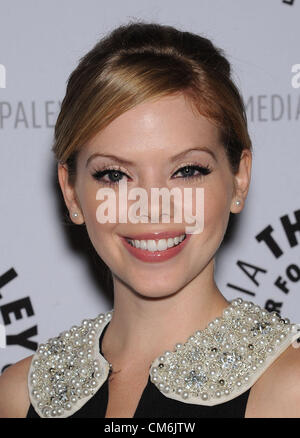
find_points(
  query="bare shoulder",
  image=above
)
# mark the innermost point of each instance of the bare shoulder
(14, 400)
(276, 394)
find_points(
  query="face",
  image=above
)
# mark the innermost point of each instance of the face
(153, 140)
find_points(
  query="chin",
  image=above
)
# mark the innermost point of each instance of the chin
(156, 289)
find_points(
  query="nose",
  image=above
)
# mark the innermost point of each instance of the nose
(158, 201)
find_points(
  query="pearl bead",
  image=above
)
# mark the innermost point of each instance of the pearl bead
(213, 363)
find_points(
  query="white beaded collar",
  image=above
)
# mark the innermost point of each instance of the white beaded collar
(213, 366)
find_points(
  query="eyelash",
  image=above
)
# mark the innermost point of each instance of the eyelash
(204, 170)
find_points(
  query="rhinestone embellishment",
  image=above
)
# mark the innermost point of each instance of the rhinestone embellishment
(225, 359)
(213, 366)
(67, 371)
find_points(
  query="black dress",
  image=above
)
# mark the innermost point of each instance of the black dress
(153, 404)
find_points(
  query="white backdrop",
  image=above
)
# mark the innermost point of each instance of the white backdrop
(47, 283)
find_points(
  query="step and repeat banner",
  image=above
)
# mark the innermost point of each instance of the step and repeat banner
(50, 276)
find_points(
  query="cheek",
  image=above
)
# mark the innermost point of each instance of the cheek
(89, 206)
(98, 232)
(216, 211)
(101, 237)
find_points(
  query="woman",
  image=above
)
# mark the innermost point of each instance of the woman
(155, 107)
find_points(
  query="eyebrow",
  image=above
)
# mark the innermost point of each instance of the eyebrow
(174, 158)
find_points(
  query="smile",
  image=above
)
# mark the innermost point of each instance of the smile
(157, 245)
(156, 250)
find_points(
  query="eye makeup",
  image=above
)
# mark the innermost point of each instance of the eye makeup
(118, 172)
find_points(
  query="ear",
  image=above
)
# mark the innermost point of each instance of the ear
(242, 181)
(69, 194)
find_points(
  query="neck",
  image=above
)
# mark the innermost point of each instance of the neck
(143, 328)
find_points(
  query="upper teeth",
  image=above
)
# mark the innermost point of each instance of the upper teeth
(157, 245)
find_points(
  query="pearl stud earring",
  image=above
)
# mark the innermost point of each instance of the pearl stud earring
(75, 214)
(238, 202)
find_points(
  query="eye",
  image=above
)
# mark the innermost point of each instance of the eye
(114, 175)
(189, 169)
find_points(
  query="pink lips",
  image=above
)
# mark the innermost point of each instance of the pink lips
(155, 256)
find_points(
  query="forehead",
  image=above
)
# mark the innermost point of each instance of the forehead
(165, 125)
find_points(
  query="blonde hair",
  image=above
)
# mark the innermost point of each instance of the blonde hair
(141, 61)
